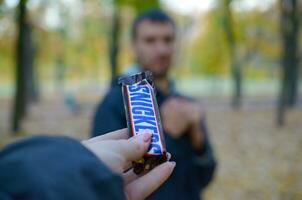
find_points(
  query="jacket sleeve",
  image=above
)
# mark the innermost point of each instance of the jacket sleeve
(204, 162)
(44, 167)
(110, 114)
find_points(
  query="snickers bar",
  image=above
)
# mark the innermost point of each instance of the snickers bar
(143, 116)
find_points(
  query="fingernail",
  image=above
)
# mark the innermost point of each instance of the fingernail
(168, 156)
(145, 137)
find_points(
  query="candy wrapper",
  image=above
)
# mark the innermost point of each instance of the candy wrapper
(143, 116)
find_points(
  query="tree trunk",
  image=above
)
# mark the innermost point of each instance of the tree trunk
(19, 109)
(235, 66)
(25, 91)
(290, 35)
(289, 32)
(114, 44)
(31, 79)
(60, 74)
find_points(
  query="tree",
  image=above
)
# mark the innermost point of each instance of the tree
(290, 39)
(24, 68)
(114, 42)
(289, 32)
(231, 43)
(140, 6)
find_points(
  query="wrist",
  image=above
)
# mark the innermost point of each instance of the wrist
(196, 136)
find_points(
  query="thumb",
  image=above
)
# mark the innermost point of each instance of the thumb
(135, 147)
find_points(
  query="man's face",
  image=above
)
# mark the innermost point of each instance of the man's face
(154, 46)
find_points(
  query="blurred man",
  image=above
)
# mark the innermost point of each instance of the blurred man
(153, 38)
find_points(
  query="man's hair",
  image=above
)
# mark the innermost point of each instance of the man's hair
(153, 15)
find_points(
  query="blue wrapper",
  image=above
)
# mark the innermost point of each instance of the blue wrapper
(143, 116)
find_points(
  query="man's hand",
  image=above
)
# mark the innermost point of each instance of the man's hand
(179, 116)
(117, 152)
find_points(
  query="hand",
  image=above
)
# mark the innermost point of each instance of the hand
(117, 152)
(180, 116)
(174, 117)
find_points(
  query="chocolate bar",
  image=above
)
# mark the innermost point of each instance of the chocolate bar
(143, 116)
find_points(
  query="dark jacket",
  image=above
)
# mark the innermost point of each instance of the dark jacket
(194, 170)
(55, 168)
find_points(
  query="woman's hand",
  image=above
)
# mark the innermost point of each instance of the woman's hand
(117, 151)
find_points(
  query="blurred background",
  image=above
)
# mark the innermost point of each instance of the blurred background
(240, 58)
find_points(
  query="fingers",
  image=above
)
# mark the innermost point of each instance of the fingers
(133, 148)
(115, 135)
(125, 151)
(145, 185)
(129, 176)
(119, 153)
(112, 160)
(174, 102)
(128, 166)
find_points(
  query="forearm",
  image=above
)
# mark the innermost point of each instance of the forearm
(53, 165)
(203, 161)
(196, 135)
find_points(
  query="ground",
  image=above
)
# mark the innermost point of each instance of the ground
(257, 160)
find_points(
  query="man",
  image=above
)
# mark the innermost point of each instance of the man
(153, 38)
